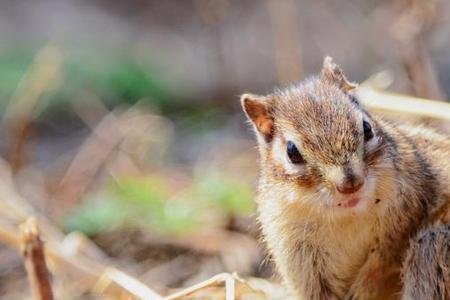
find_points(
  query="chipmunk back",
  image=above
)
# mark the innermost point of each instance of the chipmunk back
(351, 206)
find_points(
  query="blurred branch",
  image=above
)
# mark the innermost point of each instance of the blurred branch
(88, 161)
(42, 76)
(33, 251)
(285, 35)
(110, 144)
(400, 104)
(414, 22)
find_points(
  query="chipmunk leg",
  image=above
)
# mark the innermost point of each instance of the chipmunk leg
(426, 272)
(371, 278)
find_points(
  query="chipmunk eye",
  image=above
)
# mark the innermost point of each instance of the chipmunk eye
(368, 132)
(293, 153)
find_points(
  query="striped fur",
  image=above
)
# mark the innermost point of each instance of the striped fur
(322, 250)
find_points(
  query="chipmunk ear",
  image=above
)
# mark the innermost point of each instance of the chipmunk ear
(332, 73)
(257, 108)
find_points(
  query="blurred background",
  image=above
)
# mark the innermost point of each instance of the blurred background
(121, 119)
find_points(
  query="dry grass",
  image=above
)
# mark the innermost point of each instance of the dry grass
(76, 265)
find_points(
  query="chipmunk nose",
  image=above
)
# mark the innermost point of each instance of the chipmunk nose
(350, 184)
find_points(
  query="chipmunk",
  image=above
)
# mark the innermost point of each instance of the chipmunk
(351, 206)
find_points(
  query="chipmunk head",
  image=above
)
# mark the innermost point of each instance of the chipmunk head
(317, 139)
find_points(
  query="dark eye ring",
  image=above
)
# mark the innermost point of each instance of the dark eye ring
(293, 153)
(368, 132)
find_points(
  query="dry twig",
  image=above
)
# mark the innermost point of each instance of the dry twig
(33, 251)
(227, 279)
(230, 287)
(415, 22)
(284, 19)
(405, 105)
(43, 75)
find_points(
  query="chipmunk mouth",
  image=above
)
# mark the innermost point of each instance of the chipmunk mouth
(356, 201)
(349, 203)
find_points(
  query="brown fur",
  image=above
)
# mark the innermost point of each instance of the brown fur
(324, 251)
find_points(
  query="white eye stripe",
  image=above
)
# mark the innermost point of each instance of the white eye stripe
(372, 143)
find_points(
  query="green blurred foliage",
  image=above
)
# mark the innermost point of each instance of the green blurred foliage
(13, 65)
(149, 202)
(233, 197)
(118, 79)
(113, 79)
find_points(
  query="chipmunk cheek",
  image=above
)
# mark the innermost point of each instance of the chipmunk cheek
(306, 181)
(309, 177)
